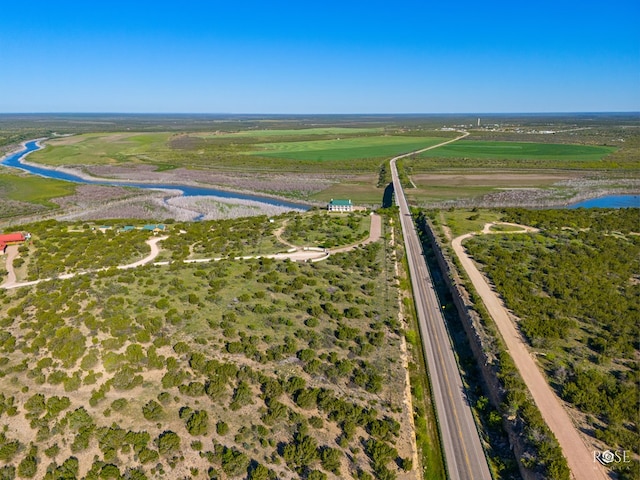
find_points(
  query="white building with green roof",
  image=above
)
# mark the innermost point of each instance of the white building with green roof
(340, 206)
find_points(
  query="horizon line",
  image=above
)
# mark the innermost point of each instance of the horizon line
(577, 112)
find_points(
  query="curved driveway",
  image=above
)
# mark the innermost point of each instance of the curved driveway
(303, 255)
(11, 281)
(12, 253)
(464, 456)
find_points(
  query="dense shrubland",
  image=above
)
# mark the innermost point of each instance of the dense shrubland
(245, 369)
(575, 288)
(58, 248)
(327, 230)
(223, 238)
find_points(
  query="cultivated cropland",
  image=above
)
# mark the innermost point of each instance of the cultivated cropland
(148, 333)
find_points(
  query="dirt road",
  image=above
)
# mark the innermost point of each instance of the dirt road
(298, 255)
(12, 253)
(374, 234)
(579, 456)
(11, 281)
(155, 250)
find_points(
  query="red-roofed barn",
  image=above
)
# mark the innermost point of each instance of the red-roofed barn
(11, 239)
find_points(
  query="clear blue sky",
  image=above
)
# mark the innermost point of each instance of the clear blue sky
(319, 56)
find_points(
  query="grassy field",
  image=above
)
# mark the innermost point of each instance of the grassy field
(469, 154)
(102, 148)
(296, 132)
(346, 149)
(519, 150)
(462, 220)
(28, 194)
(91, 149)
(439, 187)
(327, 230)
(335, 161)
(361, 189)
(33, 189)
(278, 149)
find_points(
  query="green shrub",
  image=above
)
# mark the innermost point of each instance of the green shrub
(222, 428)
(198, 423)
(168, 442)
(152, 410)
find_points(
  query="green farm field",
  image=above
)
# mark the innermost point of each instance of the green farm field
(207, 151)
(294, 132)
(346, 149)
(520, 150)
(33, 189)
(28, 194)
(103, 148)
(468, 154)
(333, 161)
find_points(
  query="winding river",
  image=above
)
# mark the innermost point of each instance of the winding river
(16, 160)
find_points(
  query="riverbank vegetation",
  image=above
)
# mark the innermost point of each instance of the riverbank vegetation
(239, 368)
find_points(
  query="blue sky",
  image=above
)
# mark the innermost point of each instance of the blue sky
(319, 57)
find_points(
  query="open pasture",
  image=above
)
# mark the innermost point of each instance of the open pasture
(519, 150)
(361, 189)
(102, 148)
(202, 151)
(33, 189)
(293, 132)
(346, 149)
(438, 187)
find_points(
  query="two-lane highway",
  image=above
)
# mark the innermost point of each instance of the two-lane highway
(464, 456)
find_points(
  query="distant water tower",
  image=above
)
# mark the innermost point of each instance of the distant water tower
(478, 121)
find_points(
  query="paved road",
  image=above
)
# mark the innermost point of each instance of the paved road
(464, 456)
(579, 456)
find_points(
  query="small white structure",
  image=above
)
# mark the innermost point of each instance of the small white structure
(340, 206)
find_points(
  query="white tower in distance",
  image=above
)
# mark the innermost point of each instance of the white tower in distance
(478, 121)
